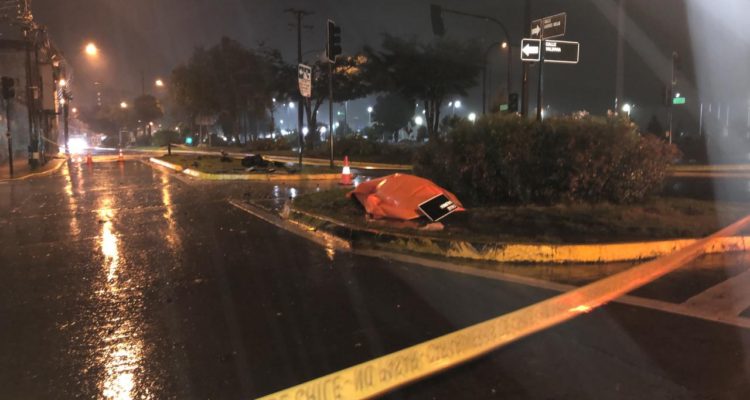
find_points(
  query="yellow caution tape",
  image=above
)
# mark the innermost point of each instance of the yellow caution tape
(384, 374)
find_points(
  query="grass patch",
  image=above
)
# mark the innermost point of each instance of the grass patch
(658, 218)
(214, 165)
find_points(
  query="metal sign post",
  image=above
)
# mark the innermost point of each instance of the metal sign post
(539, 49)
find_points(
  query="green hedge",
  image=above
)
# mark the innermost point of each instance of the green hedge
(506, 159)
(360, 149)
(161, 138)
(280, 143)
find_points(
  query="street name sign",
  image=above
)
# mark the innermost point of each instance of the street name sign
(304, 75)
(561, 52)
(530, 50)
(549, 27)
(679, 101)
(555, 51)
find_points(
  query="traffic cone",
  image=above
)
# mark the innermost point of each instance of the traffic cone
(120, 158)
(89, 159)
(346, 173)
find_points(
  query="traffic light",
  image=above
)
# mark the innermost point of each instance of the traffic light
(9, 88)
(513, 103)
(333, 45)
(436, 12)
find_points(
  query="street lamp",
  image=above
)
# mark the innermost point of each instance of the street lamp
(91, 50)
(418, 120)
(473, 117)
(369, 115)
(505, 46)
(627, 108)
(455, 104)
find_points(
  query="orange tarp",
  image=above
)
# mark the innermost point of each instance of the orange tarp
(398, 196)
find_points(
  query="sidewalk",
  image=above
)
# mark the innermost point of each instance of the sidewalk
(22, 169)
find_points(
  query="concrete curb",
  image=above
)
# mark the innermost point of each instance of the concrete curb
(286, 159)
(47, 172)
(245, 177)
(510, 252)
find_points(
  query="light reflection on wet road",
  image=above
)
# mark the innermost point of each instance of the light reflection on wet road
(124, 282)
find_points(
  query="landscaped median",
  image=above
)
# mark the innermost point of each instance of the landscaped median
(533, 234)
(228, 168)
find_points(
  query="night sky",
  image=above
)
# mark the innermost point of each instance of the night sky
(154, 36)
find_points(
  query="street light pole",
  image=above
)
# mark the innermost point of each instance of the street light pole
(505, 32)
(65, 124)
(670, 98)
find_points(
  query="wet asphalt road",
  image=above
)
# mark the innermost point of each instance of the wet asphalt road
(125, 282)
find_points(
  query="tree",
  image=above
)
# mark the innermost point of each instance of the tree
(654, 127)
(393, 112)
(230, 82)
(349, 83)
(147, 110)
(427, 72)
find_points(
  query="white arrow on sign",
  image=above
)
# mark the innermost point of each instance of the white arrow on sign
(529, 50)
(536, 30)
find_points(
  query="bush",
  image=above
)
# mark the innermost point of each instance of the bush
(361, 149)
(278, 144)
(161, 138)
(143, 140)
(506, 159)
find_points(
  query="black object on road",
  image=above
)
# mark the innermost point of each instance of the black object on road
(256, 160)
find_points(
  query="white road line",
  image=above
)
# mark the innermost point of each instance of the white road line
(454, 266)
(663, 306)
(729, 298)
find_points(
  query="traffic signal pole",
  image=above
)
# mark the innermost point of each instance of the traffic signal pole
(333, 50)
(330, 110)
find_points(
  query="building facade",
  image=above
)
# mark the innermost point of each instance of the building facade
(28, 56)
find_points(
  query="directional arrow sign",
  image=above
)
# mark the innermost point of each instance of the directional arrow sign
(561, 52)
(549, 27)
(536, 29)
(530, 50)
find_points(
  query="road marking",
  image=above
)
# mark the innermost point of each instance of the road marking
(326, 240)
(727, 299)
(389, 372)
(663, 306)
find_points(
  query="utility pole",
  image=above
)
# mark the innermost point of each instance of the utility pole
(299, 14)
